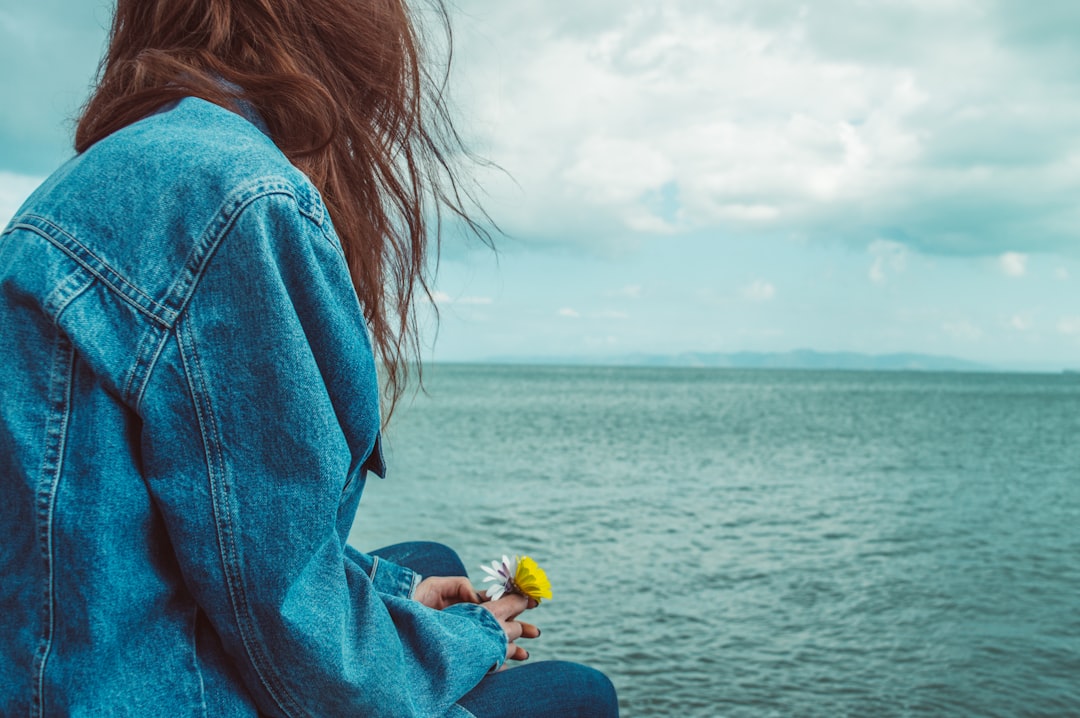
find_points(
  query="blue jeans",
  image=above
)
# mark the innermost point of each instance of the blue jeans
(558, 689)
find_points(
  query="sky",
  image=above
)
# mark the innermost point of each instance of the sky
(677, 176)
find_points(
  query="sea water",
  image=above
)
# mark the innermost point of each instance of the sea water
(766, 543)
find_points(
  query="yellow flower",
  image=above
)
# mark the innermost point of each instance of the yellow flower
(531, 580)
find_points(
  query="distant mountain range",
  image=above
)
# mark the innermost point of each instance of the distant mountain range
(798, 359)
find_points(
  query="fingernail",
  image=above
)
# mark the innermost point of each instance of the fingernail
(526, 656)
(539, 633)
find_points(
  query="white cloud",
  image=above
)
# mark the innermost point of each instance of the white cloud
(441, 297)
(571, 313)
(630, 291)
(1069, 325)
(888, 255)
(963, 330)
(921, 123)
(759, 291)
(616, 171)
(1061, 274)
(1013, 264)
(1020, 322)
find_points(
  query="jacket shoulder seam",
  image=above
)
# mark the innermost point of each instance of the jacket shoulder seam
(154, 338)
(223, 220)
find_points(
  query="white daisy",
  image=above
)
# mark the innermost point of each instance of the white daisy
(502, 572)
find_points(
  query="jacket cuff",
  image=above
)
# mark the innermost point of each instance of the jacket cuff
(489, 627)
(388, 577)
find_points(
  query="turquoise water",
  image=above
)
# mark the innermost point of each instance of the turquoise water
(756, 543)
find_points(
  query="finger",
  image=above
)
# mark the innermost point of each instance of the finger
(516, 653)
(512, 630)
(528, 630)
(509, 606)
(465, 591)
(522, 604)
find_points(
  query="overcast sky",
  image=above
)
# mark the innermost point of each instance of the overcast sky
(873, 176)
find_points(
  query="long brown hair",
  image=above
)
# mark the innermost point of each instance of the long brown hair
(347, 94)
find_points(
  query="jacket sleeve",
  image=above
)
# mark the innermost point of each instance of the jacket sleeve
(259, 412)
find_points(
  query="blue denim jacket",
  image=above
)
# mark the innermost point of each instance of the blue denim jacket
(188, 408)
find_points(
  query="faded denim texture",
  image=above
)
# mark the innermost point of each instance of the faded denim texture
(188, 409)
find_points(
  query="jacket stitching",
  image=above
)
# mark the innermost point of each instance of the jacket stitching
(223, 220)
(136, 400)
(181, 291)
(195, 658)
(167, 311)
(465, 713)
(330, 236)
(223, 524)
(65, 292)
(60, 382)
(150, 342)
(373, 569)
(113, 279)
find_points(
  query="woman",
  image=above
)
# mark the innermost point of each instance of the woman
(189, 395)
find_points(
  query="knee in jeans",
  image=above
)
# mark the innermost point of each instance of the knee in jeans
(593, 691)
(442, 560)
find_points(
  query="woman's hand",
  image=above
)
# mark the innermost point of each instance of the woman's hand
(506, 610)
(438, 592)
